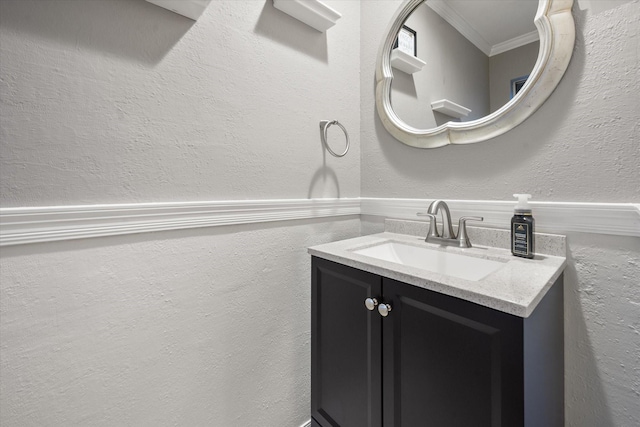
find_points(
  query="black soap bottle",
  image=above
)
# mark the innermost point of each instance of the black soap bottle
(522, 228)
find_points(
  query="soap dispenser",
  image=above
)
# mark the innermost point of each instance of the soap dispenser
(522, 228)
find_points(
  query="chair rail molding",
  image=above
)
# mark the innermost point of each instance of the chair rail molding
(51, 223)
(621, 219)
(23, 225)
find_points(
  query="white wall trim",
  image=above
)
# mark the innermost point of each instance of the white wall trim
(450, 15)
(53, 223)
(621, 219)
(514, 43)
(459, 23)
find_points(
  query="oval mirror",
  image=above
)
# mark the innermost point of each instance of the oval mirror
(447, 73)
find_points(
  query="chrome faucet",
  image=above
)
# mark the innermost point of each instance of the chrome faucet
(448, 237)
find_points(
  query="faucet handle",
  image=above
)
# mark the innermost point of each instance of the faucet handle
(433, 231)
(463, 237)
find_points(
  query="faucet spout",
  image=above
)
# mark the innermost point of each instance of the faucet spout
(448, 237)
(447, 229)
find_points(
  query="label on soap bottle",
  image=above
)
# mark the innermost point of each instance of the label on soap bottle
(521, 244)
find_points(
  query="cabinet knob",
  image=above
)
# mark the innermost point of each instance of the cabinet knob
(370, 303)
(384, 309)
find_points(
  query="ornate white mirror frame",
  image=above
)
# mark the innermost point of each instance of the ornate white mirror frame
(557, 35)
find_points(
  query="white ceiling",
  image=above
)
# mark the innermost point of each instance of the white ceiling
(494, 26)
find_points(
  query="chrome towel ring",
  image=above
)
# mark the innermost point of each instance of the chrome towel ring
(324, 125)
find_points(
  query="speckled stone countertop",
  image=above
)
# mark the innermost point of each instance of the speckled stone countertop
(515, 288)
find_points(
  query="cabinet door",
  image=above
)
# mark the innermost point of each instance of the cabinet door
(449, 362)
(345, 347)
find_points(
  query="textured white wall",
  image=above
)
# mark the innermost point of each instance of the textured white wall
(118, 101)
(602, 331)
(581, 146)
(205, 327)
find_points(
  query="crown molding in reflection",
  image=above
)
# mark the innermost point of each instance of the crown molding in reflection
(514, 43)
(459, 23)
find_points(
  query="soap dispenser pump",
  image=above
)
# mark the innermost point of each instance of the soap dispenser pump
(522, 228)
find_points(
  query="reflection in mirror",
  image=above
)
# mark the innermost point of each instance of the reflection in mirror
(477, 54)
(554, 22)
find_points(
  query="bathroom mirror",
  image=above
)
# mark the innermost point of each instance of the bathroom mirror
(436, 116)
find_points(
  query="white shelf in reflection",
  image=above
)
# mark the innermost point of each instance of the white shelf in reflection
(449, 108)
(405, 62)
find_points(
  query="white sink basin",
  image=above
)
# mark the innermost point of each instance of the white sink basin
(447, 263)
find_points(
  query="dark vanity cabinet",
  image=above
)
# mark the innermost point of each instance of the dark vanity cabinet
(433, 360)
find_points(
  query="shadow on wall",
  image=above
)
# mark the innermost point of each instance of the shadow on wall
(441, 118)
(324, 178)
(133, 29)
(288, 31)
(403, 82)
(583, 381)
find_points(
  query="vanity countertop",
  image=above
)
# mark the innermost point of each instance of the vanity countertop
(515, 288)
